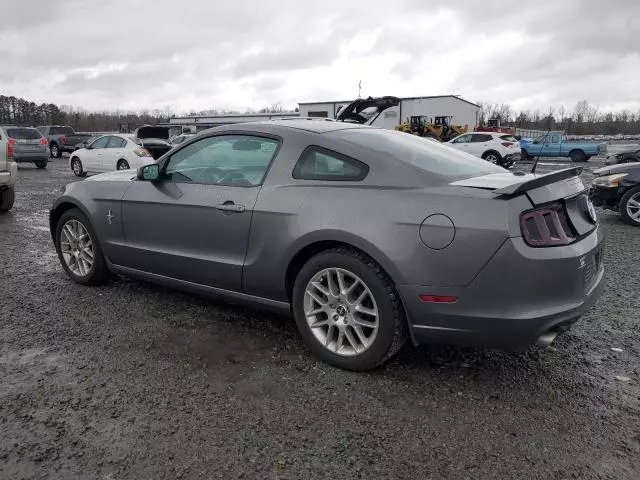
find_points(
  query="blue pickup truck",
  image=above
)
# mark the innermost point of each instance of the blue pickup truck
(557, 145)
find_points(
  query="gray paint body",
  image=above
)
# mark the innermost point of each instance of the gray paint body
(508, 293)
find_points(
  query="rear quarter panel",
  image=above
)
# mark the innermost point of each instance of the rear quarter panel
(384, 223)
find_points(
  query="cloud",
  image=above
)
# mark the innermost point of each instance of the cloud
(196, 55)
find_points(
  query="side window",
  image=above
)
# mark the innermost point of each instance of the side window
(317, 163)
(478, 138)
(100, 143)
(462, 139)
(555, 139)
(115, 142)
(231, 160)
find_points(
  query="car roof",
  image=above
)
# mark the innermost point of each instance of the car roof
(308, 124)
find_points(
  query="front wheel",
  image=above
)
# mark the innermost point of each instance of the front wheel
(78, 249)
(630, 207)
(7, 197)
(347, 310)
(76, 166)
(524, 155)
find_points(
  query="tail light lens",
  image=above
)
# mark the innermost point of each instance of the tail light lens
(142, 152)
(546, 226)
(43, 141)
(63, 139)
(507, 144)
(11, 147)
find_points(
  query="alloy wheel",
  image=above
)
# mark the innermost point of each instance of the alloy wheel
(54, 151)
(77, 248)
(633, 207)
(341, 311)
(491, 158)
(77, 168)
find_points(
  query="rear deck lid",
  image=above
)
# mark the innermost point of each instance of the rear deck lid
(365, 110)
(153, 131)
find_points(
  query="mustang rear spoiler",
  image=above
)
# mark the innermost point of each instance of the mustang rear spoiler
(541, 181)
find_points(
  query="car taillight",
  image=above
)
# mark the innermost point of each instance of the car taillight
(546, 226)
(10, 148)
(63, 139)
(142, 152)
(43, 141)
(507, 144)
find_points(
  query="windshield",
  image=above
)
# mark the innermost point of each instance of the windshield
(24, 133)
(433, 157)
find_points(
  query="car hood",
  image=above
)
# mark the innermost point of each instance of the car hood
(117, 176)
(622, 168)
(355, 111)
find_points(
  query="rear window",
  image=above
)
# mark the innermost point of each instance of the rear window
(433, 157)
(23, 133)
(509, 138)
(61, 131)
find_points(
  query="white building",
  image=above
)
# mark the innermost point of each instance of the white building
(194, 124)
(462, 111)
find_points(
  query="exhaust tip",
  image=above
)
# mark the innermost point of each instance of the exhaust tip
(547, 338)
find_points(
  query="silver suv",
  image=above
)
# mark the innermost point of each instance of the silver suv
(8, 173)
(27, 145)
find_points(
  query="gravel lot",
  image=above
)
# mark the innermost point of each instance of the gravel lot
(133, 381)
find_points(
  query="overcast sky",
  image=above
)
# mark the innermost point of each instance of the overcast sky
(197, 54)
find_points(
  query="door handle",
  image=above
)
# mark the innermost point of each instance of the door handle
(230, 207)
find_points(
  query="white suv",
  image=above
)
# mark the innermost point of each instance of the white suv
(499, 148)
(8, 173)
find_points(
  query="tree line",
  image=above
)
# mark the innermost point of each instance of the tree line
(584, 119)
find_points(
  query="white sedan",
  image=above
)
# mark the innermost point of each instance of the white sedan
(500, 148)
(108, 153)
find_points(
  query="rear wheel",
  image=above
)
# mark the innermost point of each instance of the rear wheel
(123, 165)
(76, 166)
(41, 163)
(7, 197)
(577, 156)
(492, 157)
(630, 207)
(347, 310)
(55, 150)
(78, 249)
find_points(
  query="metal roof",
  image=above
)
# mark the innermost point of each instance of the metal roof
(401, 98)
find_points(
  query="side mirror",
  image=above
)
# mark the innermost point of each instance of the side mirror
(149, 173)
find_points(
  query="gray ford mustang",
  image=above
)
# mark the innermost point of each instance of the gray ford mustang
(367, 236)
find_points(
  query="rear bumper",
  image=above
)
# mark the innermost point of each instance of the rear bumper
(31, 157)
(521, 294)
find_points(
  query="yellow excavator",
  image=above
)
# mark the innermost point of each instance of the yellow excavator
(438, 128)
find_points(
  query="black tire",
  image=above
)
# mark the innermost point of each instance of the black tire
(624, 214)
(76, 167)
(392, 329)
(577, 156)
(41, 163)
(99, 272)
(524, 155)
(55, 150)
(123, 165)
(7, 198)
(490, 155)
